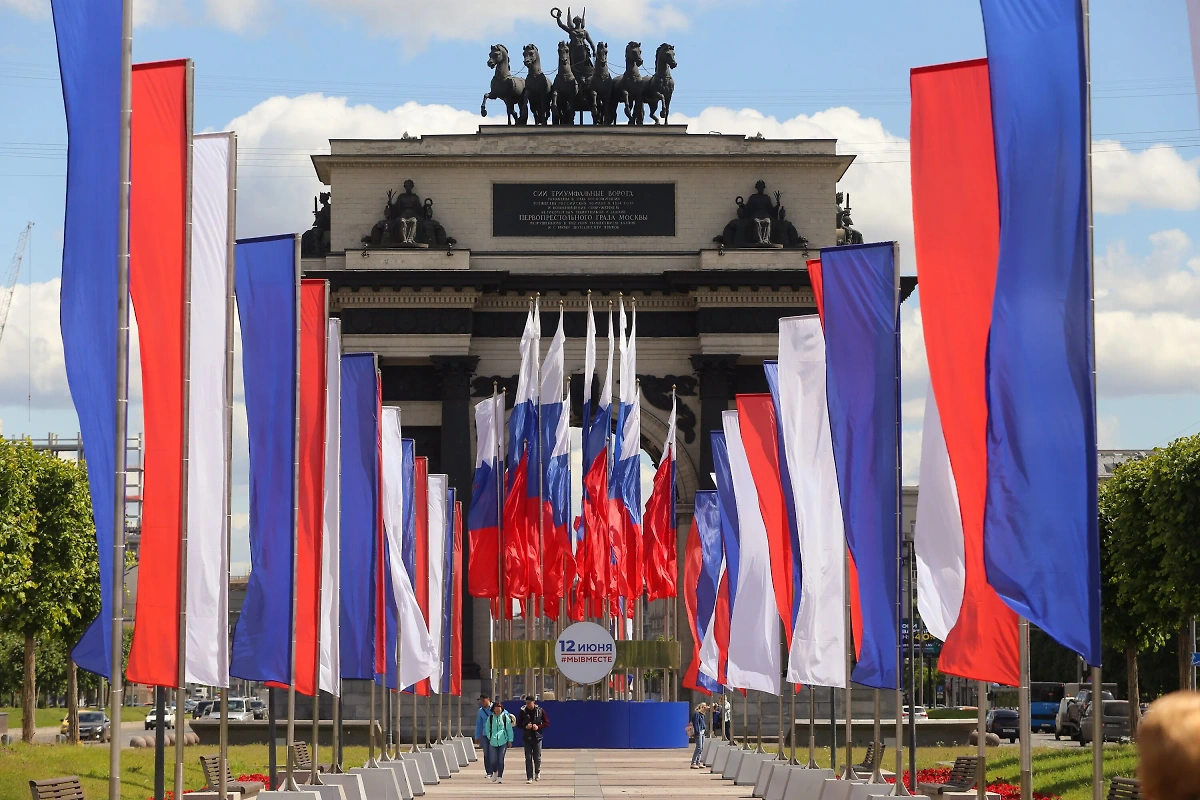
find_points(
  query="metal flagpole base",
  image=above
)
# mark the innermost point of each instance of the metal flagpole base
(877, 745)
(758, 724)
(812, 728)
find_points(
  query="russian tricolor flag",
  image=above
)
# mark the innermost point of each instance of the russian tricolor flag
(483, 523)
(556, 475)
(701, 580)
(625, 488)
(593, 553)
(1009, 335)
(521, 501)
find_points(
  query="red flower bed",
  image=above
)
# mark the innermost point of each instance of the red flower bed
(255, 776)
(1006, 790)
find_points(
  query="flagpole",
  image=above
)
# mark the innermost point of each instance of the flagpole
(606, 601)
(314, 777)
(371, 762)
(181, 596)
(117, 600)
(231, 266)
(812, 727)
(1097, 687)
(901, 790)
(501, 472)
(848, 631)
(981, 740)
(290, 783)
(1023, 711)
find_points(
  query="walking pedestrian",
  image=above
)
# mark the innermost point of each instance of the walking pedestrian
(532, 721)
(498, 733)
(481, 718)
(699, 728)
(718, 716)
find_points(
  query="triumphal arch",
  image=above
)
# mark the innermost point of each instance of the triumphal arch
(433, 246)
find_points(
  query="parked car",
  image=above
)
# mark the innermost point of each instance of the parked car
(920, 711)
(1004, 722)
(1116, 722)
(202, 708)
(239, 710)
(1060, 717)
(258, 708)
(92, 725)
(189, 705)
(168, 718)
(1075, 706)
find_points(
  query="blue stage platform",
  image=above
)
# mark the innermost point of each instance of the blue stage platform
(611, 725)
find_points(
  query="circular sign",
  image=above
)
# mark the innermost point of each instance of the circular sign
(585, 653)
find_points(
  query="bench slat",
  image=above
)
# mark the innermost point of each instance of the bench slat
(57, 789)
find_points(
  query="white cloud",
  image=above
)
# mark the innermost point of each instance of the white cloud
(417, 23)
(1157, 177)
(30, 8)
(236, 15)
(31, 352)
(276, 137)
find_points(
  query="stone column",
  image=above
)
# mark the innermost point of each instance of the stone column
(456, 372)
(718, 383)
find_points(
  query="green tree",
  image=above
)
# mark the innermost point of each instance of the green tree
(1172, 497)
(1136, 609)
(59, 588)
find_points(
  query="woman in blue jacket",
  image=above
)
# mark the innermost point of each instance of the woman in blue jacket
(498, 731)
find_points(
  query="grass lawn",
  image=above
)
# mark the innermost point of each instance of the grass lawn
(1062, 771)
(53, 717)
(21, 763)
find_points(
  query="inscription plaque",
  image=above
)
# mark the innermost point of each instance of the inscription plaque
(583, 209)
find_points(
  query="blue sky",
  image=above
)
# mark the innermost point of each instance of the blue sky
(288, 76)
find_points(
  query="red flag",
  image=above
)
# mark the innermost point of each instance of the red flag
(760, 436)
(456, 594)
(953, 154)
(660, 532)
(692, 557)
(157, 272)
(314, 330)
(421, 560)
(516, 550)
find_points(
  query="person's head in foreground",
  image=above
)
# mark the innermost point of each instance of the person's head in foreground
(1169, 744)
(484, 701)
(529, 703)
(497, 709)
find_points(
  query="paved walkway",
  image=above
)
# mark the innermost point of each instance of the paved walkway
(594, 774)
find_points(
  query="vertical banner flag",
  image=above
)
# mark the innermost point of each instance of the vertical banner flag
(556, 475)
(660, 558)
(416, 649)
(702, 568)
(439, 487)
(210, 408)
(861, 321)
(771, 370)
(1041, 461)
(266, 278)
(360, 486)
(818, 652)
(625, 487)
(89, 42)
(456, 601)
(158, 278)
(420, 547)
(314, 328)
(754, 618)
(483, 525)
(331, 572)
(520, 503)
(594, 553)
(953, 155)
(448, 578)
(760, 438)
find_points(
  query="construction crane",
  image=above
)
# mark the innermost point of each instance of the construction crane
(10, 280)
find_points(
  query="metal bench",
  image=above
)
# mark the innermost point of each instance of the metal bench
(57, 789)
(304, 759)
(212, 776)
(962, 777)
(1125, 789)
(868, 764)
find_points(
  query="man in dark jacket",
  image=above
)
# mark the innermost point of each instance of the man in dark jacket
(485, 711)
(532, 721)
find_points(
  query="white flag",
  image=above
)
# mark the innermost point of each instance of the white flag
(439, 487)
(417, 660)
(207, 652)
(818, 654)
(754, 641)
(938, 536)
(331, 568)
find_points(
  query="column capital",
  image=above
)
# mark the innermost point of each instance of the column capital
(709, 362)
(455, 365)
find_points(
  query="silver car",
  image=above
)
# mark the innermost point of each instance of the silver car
(1116, 722)
(239, 710)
